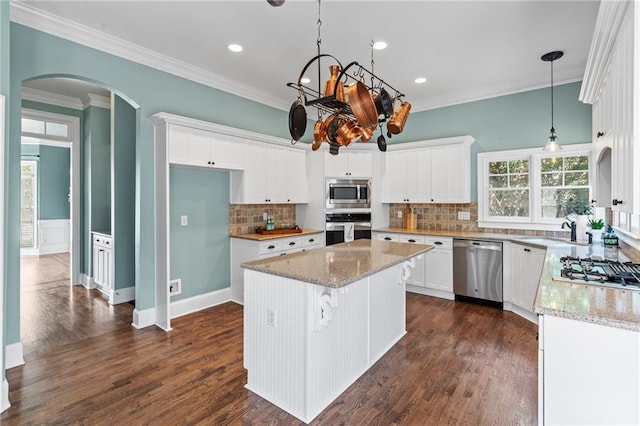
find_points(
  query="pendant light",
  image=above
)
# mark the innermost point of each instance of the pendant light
(552, 143)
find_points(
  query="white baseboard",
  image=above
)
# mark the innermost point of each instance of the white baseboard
(14, 355)
(200, 302)
(144, 318)
(528, 315)
(431, 292)
(5, 395)
(87, 281)
(122, 295)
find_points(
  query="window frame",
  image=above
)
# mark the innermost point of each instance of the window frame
(534, 221)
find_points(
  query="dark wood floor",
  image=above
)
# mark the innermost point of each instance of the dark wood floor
(458, 364)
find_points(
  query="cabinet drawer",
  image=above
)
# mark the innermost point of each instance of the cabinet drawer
(439, 242)
(416, 239)
(387, 237)
(271, 246)
(101, 240)
(310, 241)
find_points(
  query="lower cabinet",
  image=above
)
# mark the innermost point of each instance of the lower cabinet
(102, 262)
(433, 274)
(245, 250)
(587, 373)
(522, 281)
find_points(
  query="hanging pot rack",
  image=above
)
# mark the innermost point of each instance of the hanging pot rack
(352, 73)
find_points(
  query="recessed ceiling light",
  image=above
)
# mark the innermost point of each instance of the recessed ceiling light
(420, 80)
(305, 80)
(235, 47)
(379, 45)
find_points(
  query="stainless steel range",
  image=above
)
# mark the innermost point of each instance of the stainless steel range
(608, 273)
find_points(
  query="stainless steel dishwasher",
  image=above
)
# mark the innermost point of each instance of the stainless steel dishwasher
(477, 269)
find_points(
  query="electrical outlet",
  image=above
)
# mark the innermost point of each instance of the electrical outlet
(399, 214)
(264, 216)
(271, 317)
(184, 220)
(175, 287)
(464, 216)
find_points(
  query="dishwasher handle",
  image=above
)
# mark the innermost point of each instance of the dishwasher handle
(477, 244)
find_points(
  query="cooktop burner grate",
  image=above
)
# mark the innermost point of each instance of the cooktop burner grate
(600, 271)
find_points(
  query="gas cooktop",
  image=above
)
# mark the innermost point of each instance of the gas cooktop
(603, 272)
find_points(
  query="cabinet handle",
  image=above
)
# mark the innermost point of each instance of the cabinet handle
(292, 243)
(527, 250)
(616, 202)
(438, 243)
(271, 247)
(412, 240)
(311, 240)
(593, 201)
(282, 254)
(100, 250)
(387, 238)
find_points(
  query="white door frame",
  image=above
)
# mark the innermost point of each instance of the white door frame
(35, 206)
(73, 141)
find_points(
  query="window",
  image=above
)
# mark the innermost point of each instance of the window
(532, 188)
(51, 129)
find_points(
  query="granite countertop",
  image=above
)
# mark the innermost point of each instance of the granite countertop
(262, 237)
(339, 264)
(585, 302)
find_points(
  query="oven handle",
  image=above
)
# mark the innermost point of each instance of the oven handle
(339, 226)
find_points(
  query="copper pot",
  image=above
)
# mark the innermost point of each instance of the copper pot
(348, 132)
(399, 118)
(319, 131)
(334, 122)
(367, 133)
(330, 87)
(362, 105)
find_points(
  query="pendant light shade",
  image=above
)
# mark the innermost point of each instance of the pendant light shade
(552, 143)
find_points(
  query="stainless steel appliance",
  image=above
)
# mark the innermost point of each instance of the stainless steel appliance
(348, 193)
(477, 269)
(607, 273)
(338, 223)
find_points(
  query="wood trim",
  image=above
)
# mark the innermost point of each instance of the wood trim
(197, 303)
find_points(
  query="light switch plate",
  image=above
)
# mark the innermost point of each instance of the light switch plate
(399, 214)
(264, 216)
(464, 216)
(184, 220)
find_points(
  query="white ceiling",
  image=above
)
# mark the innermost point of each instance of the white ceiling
(467, 50)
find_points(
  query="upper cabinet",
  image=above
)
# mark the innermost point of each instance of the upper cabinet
(611, 82)
(202, 148)
(437, 171)
(350, 164)
(272, 174)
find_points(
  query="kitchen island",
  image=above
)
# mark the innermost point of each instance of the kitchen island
(315, 321)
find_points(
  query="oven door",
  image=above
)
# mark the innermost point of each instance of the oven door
(335, 232)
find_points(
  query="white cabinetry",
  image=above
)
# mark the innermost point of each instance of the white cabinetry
(521, 285)
(407, 176)
(195, 147)
(439, 264)
(102, 262)
(611, 83)
(588, 373)
(348, 164)
(245, 250)
(436, 171)
(272, 174)
(433, 274)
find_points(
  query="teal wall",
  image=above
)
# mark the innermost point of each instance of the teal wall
(54, 179)
(123, 166)
(521, 120)
(152, 91)
(200, 253)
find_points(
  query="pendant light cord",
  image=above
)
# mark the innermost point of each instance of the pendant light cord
(552, 128)
(319, 42)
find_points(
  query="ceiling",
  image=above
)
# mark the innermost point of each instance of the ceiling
(467, 50)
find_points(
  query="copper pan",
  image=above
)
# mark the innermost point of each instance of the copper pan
(367, 133)
(362, 105)
(348, 132)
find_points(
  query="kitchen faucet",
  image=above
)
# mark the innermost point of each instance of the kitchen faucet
(570, 224)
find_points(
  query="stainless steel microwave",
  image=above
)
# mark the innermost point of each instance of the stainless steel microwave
(348, 193)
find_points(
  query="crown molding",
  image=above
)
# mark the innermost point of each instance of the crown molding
(45, 97)
(608, 23)
(96, 101)
(32, 17)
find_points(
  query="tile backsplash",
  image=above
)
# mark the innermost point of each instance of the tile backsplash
(245, 218)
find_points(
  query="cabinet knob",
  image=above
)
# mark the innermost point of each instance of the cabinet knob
(615, 202)
(527, 250)
(593, 201)
(599, 134)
